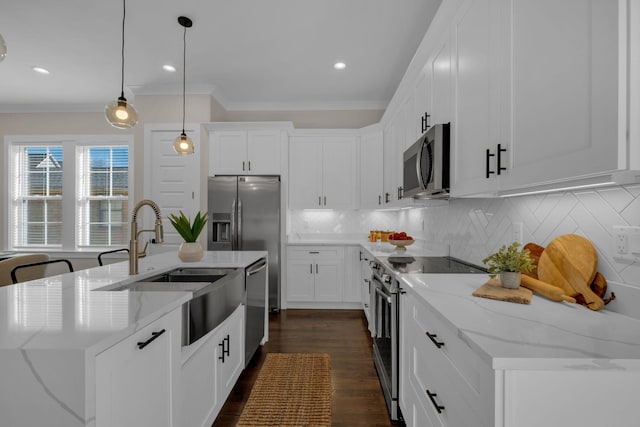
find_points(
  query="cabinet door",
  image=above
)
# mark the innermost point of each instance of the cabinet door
(441, 72)
(371, 171)
(329, 280)
(565, 96)
(230, 352)
(388, 163)
(229, 152)
(339, 172)
(300, 279)
(263, 149)
(134, 386)
(201, 400)
(305, 172)
(474, 128)
(422, 101)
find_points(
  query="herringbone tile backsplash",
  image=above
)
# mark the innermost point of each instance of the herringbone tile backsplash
(474, 228)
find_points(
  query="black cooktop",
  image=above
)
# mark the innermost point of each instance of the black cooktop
(429, 264)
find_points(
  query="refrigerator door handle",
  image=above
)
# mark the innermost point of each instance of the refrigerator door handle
(239, 224)
(233, 225)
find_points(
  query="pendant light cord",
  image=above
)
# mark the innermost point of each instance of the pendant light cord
(184, 72)
(124, 13)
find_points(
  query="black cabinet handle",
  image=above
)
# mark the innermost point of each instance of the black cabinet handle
(432, 397)
(379, 199)
(249, 164)
(154, 335)
(499, 167)
(425, 122)
(221, 357)
(399, 193)
(433, 339)
(225, 351)
(227, 339)
(314, 252)
(243, 165)
(386, 197)
(488, 166)
(319, 200)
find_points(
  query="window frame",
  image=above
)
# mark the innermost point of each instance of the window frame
(71, 147)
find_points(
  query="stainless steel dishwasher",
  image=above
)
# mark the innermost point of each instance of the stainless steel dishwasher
(255, 285)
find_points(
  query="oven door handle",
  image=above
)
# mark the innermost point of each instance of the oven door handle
(381, 293)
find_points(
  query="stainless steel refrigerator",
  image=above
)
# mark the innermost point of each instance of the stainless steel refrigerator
(244, 214)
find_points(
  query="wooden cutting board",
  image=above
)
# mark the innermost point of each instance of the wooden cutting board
(494, 290)
(570, 262)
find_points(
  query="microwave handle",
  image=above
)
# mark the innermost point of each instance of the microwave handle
(418, 171)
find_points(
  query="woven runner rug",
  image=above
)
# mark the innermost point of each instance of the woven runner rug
(292, 389)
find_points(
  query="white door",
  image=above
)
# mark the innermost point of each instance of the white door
(371, 173)
(172, 181)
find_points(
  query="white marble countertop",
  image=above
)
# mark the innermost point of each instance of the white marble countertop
(542, 335)
(67, 312)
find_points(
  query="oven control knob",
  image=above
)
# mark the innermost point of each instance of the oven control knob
(386, 278)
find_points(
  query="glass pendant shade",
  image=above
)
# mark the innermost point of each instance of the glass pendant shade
(121, 114)
(3, 49)
(183, 144)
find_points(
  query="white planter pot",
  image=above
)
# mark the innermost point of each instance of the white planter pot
(510, 279)
(190, 252)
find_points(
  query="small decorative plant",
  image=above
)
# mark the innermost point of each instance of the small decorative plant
(185, 228)
(509, 259)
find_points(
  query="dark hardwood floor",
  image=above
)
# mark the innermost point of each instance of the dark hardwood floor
(357, 397)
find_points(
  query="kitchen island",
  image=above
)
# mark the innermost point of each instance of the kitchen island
(57, 333)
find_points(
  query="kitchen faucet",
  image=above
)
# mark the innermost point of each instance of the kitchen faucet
(133, 243)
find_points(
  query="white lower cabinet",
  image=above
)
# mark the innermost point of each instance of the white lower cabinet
(135, 378)
(210, 371)
(443, 382)
(315, 274)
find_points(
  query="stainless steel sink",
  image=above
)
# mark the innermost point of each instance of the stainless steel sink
(217, 292)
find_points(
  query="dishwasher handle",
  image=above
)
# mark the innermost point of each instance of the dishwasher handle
(257, 267)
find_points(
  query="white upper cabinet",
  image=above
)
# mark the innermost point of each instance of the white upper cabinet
(565, 87)
(322, 172)
(474, 130)
(247, 148)
(539, 94)
(371, 171)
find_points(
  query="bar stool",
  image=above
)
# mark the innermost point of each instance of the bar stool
(7, 265)
(36, 270)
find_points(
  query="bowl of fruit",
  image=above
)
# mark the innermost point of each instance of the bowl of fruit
(401, 240)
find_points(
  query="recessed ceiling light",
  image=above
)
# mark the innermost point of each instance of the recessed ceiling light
(40, 70)
(169, 68)
(339, 65)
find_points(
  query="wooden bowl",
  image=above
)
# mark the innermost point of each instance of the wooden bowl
(401, 245)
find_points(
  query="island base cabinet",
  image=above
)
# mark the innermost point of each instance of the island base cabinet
(135, 378)
(210, 371)
(607, 397)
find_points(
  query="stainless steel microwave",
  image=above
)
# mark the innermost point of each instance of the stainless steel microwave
(426, 170)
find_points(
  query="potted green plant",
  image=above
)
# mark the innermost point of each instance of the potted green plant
(509, 262)
(190, 250)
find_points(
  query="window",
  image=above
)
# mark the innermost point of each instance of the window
(68, 194)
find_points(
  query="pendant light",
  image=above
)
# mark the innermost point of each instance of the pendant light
(183, 144)
(120, 113)
(3, 49)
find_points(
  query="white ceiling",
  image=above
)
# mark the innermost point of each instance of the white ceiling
(250, 54)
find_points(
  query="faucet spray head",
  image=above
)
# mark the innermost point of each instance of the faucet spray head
(159, 232)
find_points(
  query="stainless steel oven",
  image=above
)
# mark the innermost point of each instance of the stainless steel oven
(385, 301)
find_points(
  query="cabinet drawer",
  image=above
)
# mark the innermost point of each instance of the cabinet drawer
(318, 253)
(462, 358)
